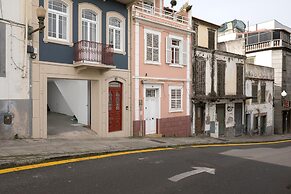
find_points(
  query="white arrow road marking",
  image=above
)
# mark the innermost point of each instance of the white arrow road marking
(198, 170)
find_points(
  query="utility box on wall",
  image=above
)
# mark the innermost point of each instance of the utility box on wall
(8, 118)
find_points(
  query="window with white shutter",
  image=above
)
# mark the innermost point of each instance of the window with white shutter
(175, 96)
(152, 42)
(176, 51)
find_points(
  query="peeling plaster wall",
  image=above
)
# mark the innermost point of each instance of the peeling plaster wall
(261, 75)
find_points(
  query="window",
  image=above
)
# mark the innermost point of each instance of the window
(89, 25)
(195, 35)
(239, 79)
(211, 39)
(284, 63)
(152, 43)
(254, 92)
(116, 31)
(2, 50)
(148, 6)
(251, 60)
(175, 53)
(176, 93)
(263, 92)
(175, 48)
(58, 20)
(200, 76)
(221, 77)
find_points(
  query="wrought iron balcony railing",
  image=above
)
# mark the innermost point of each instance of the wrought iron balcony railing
(93, 52)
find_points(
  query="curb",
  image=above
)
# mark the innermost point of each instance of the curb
(76, 157)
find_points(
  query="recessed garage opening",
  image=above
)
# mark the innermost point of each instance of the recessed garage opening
(68, 109)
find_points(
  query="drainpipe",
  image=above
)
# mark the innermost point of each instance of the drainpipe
(129, 49)
(212, 72)
(25, 42)
(194, 63)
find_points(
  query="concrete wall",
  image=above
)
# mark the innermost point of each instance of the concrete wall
(75, 93)
(263, 58)
(272, 24)
(14, 94)
(236, 46)
(56, 101)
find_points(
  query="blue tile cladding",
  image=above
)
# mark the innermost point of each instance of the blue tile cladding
(58, 53)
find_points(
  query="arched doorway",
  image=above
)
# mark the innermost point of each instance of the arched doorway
(115, 106)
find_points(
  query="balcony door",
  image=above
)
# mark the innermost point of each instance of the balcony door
(90, 46)
(89, 26)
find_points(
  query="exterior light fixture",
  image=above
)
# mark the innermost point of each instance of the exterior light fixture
(40, 13)
(284, 94)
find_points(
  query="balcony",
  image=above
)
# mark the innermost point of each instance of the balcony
(161, 16)
(267, 44)
(90, 54)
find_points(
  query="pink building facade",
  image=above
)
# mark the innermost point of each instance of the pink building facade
(160, 69)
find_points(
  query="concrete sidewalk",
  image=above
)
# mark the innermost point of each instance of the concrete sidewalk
(27, 151)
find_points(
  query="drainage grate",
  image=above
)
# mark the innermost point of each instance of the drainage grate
(157, 141)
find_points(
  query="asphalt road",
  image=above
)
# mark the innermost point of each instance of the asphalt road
(246, 169)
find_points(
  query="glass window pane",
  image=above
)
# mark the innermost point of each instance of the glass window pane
(110, 36)
(52, 25)
(117, 39)
(84, 30)
(149, 54)
(156, 41)
(113, 21)
(156, 55)
(93, 32)
(88, 14)
(57, 6)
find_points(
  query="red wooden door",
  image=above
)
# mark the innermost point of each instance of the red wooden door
(115, 106)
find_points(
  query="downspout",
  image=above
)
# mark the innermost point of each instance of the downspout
(25, 42)
(194, 62)
(212, 73)
(129, 49)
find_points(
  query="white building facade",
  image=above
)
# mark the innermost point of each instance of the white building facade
(15, 103)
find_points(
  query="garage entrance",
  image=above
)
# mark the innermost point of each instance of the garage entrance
(68, 108)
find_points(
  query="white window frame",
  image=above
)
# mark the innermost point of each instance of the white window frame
(69, 38)
(98, 12)
(170, 99)
(182, 51)
(147, 8)
(148, 31)
(122, 31)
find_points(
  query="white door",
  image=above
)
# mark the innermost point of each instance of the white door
(151, 109)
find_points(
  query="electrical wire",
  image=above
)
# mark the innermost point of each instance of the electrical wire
(11, 51)
(1, 9)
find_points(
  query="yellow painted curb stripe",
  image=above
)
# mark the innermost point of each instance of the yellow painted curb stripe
(47, 164)
(241, 144)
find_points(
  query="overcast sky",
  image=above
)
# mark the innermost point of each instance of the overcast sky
(254, 11)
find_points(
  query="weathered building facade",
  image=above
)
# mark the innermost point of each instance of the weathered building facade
(15, 93)
(259, 89)
(218, 93)
(218, 87)
(268, 44)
